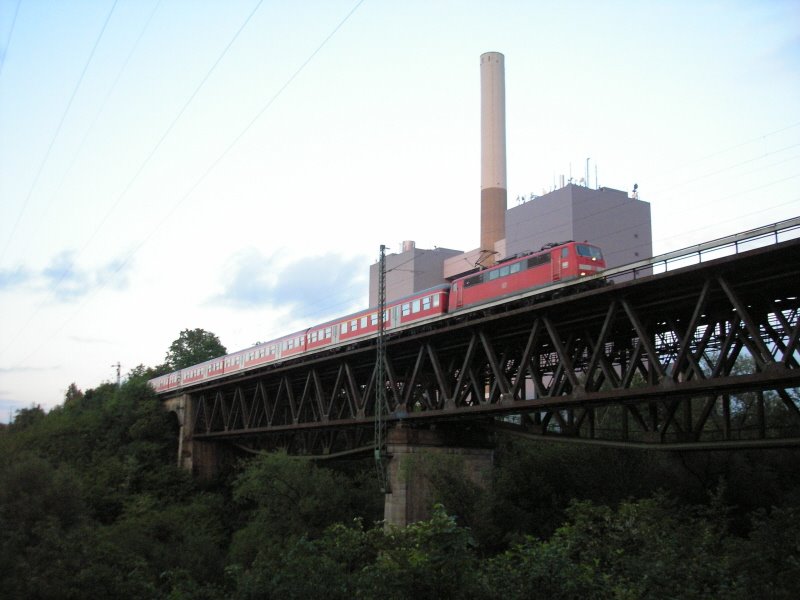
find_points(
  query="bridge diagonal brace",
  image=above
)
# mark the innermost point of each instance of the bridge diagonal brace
(598, 351)
(790, 404)
(703, 417)
(319, 395)
(564, 361)
(760, 351)
(684, 353)
(354, 398)
(499, 374)
(692, 367)
(458, 392)
(390, 375)
(729, 350)
(793, 339)
(412, 380)
(441, 380)
(644, 340)
(286, 388)
(524, 363)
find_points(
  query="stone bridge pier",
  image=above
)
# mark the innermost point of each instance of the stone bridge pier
(204, 459)
(419, 455)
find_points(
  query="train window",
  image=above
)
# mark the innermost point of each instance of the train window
(426, 303)
(538, 260)
(494, 275)
(589, 251)
(565, 252)
(415, 306)
(298, 341)
(474, 280)
(363, 322)
(515, 268)
(405, 309)
(312, 336)
(327, 332)
(373, 319)
(503, 271)
(386, 316)
(436, 300)
(354, 324)
(343, 328)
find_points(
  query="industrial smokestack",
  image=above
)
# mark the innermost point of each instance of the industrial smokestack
(493, 155)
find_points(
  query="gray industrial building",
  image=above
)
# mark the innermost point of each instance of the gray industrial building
(611, 219)
(410, 271)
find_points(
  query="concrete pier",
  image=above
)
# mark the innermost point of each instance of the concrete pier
(410, 496)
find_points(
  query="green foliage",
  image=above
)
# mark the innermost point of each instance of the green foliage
(92, 505)
(284, 497)
(192, 347)
(25, 417)
(427, 560)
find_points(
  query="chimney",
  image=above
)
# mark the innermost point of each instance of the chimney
(493, 155)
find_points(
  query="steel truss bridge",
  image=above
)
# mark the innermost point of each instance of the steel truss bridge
(691, 350)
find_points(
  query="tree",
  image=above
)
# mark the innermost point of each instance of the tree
(192, 347)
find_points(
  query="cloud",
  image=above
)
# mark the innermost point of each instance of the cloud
(65, 279)
(308, 287)
(11, 278)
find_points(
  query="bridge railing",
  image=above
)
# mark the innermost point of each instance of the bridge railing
(766, 235)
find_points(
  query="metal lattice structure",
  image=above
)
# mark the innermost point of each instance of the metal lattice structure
(708, 354)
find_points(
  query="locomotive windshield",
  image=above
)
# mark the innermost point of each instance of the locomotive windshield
(589, 251)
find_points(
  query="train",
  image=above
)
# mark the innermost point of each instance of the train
(564, 261)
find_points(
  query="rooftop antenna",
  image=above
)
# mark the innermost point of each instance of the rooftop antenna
(587, 171)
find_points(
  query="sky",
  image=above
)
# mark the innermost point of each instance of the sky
(235, 166)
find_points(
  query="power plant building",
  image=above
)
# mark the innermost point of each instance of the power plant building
(617, 223)
(608, 218)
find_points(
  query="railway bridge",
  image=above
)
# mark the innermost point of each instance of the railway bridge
(695, 349)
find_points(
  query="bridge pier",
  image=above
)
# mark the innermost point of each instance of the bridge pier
(204, 459)
(410, 495)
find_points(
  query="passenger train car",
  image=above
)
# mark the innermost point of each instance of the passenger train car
(553, 263)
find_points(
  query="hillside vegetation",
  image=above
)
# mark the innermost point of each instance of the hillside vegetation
(92, 505)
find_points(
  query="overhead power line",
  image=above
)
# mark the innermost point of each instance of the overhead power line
(8, 37)
(166, 218)
(58, 131)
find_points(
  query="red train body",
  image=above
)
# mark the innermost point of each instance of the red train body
(560, 262)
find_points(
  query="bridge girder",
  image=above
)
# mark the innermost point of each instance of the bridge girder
(706, 354)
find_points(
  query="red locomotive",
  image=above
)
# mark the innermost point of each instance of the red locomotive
(554, 263)
(550, 265)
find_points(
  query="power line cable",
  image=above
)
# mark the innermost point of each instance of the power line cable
(188, 193)
(100, 110)
(58, 131)
(166, 133)
(8, 37)
(147, 159)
